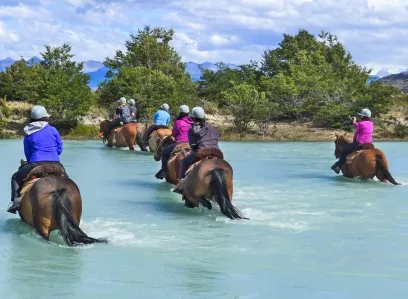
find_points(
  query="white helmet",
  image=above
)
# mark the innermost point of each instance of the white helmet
(165, 107)
(365, 112)
(198, 112)
(122, 100)
(132, 102)
(38, 112)
(184, 109)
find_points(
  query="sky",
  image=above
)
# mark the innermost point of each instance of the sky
(234, 31)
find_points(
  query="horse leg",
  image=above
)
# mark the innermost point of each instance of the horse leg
(42, 226)
(188, 203)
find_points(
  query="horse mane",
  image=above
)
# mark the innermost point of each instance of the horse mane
(205, 153)
(46, 170)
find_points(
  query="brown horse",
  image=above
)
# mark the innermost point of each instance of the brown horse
(125, 136)
(365, 164)
(176, 158)
(211, 179)
(53, 202)
(156, 137)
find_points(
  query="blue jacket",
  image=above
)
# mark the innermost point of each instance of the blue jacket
(42, 142)
(161, 118)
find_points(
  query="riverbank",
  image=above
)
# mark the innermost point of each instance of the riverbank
(393, 127)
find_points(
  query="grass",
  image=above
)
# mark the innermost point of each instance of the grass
(83, 131)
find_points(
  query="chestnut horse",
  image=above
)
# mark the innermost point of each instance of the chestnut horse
(210, 179)
(156, 137)
(366, 164)
(125, 136)
(176, 157)
(53, 202)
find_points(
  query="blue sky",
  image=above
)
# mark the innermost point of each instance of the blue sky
(375, 31)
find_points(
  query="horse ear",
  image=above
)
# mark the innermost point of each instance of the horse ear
(337, 134)
(345, 134)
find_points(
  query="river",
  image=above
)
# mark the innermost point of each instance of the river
(311, 233)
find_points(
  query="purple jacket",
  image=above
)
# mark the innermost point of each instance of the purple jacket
(180, 129)
(42, 142)
(203, 137)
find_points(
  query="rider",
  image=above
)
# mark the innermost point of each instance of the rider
(42, 145)
(180, 133)
(133, 110)
(161, 119)
(122, 116)
(363, 134)
(200, 135)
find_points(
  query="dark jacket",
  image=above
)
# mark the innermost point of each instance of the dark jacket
(203, 137)
(124, 113)
(133, 109)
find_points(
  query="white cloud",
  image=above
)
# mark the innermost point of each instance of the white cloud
(220, 40)
(7, 35)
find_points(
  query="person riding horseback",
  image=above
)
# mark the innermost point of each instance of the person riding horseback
(201, 135)
(122, 117)
(161, 119)
(133, 110)
(42, 145)
(180, 133)
(363, 134)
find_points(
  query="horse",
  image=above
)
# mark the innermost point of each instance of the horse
(51, 201)
(210, 179)
(363, 163)
(125, 136)
(175, 159)
(156, 137)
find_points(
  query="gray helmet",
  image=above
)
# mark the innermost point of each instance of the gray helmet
(198, 112)
(365, 112)
(132, 102)
(122, 100)
(165, 107)
(38, 112)
(184, 109)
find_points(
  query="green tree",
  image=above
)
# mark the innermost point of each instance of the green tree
(150, 71)
(64, 89)
(149, 48)
(21, 81)
(248, 106)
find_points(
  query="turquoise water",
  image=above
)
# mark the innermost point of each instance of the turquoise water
(311, 234)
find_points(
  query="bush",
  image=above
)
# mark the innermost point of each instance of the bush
(82, 131)
(401, 130)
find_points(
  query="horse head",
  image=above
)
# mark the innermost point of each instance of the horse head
(104, 125)
(340, 142)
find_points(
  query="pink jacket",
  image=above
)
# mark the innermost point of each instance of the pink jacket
(180, 129)
(363, 131)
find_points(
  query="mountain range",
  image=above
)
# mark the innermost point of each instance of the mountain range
(97, 71)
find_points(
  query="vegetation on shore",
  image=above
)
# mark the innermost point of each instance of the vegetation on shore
(302, 90)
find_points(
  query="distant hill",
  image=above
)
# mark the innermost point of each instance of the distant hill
(398, 80)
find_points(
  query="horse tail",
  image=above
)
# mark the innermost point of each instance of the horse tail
(70, 231)
(383, 168)
(219, 188)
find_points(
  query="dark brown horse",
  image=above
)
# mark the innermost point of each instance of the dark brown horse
(125, 136)
(176, 158)
(211, 179)
(53, 202)
(365, 164)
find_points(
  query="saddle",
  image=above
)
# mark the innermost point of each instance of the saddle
(205, 154)
(180, 148)
(41, 171)
(359, 149)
